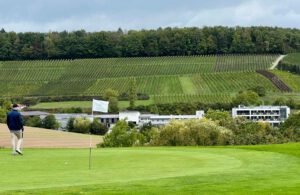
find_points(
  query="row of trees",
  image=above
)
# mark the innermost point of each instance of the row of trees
(160, 42)
(218, 128)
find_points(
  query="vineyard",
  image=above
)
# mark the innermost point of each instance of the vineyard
(167, 79)
(292, 80)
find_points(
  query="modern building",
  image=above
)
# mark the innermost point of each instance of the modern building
(271, 114)
(141, 119)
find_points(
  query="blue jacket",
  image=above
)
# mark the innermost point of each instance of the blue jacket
(14, 120)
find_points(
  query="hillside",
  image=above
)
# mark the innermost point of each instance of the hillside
(165, 79)
(293, 58)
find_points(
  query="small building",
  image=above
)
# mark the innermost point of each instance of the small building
(271, 114)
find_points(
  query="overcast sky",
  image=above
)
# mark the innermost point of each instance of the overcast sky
(97, 15)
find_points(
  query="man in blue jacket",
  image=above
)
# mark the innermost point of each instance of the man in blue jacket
(15, 125)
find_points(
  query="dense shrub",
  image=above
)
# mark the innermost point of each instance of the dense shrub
(82, 125)
(122, 136)
(246, 98)
(291, 127)
(70, 124)
(2, 115)
(50, 122)
(260, 90)
(34, 121)
(98, 128)
(202, 132)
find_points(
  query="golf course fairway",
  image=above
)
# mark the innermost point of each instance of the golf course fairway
(272, 169)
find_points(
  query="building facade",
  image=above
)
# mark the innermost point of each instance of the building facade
(271, 114)
(139, 119)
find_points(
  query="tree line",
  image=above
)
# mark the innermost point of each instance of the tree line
(143, 43)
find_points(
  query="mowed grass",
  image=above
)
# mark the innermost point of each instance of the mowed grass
(84, 104)
(273, 169)
(292, 58)
(292, 80)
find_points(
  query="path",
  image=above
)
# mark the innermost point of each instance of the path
(274, 64)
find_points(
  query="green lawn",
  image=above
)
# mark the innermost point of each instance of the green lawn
(83, 104)
(273, 169)
(292, 58)
(271, 97)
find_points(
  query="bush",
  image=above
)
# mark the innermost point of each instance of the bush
(202, 132)
(50, 122)
(82, 125)
(98, 128)
(246, 98)
(2, 115)
(260, 90)
(122, 136)
(70, 124)
(34, 121)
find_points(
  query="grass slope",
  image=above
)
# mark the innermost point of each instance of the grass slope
(273, 169)
(292, 58)
(292, 80)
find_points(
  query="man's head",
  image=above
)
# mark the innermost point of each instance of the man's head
(15, 107)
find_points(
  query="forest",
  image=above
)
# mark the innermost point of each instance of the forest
(148, 43)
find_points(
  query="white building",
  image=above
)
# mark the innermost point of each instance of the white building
(271, 114)
(141, 119)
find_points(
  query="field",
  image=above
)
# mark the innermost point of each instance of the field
(45, 138)
(165, 79)
(272, 169)
(292, 80)
(83, 104)
(293, 58)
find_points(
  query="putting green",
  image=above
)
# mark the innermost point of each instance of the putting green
(200, 168)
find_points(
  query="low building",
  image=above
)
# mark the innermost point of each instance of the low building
(271, 114)
(137, 118)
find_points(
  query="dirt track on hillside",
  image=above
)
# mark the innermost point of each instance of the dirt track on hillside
(44, 138)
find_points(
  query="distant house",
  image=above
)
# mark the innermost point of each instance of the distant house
(271, 114)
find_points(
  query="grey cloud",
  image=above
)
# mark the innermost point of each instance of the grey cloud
(96, 15)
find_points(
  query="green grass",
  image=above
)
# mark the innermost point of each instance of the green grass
(84, 104)
(292, 58)
(272, 169)
(292, 80)
(271, 97)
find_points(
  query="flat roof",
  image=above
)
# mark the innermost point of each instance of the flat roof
(33, 113)
(260, 107)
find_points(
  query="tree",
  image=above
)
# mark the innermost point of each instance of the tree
(260, 90)
(70, 124)
(132, 93)
(98, 128)
(82, 125)
(2, 115)
(279, 101)
(112, 96)
(50, 122)
(223, 118)
(121, 136)
(34, 121)
(246, 98)
(293, 122)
